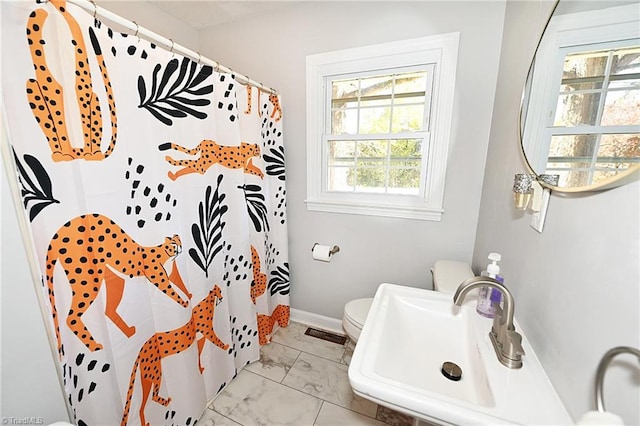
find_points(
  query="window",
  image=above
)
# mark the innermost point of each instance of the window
(378, 124)
(376, 129)
(589, 123)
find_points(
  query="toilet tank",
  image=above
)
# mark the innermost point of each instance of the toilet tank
(449, 274)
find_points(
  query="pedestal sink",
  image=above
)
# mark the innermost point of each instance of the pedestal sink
(410, 333)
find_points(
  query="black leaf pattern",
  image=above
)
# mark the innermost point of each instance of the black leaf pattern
(36, 193)
(279, 283)
(207, 234)
(275, 162)
(256, 207)
(173, 102)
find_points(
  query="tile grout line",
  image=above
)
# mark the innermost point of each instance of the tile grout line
(286, 373)
(375, 417)
(340, 362)
(318, 415)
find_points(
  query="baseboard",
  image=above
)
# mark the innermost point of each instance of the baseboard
(319, 321)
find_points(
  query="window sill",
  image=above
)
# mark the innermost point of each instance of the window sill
(415, 211)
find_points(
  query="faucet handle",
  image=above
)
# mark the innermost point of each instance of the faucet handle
(513, 344)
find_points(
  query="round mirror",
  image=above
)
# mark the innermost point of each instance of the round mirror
(580, 112)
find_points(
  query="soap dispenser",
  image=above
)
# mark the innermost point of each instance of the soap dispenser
(488, 297)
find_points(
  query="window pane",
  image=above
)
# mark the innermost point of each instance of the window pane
(344, 89)
(373, 149)
(374, 120)
(576, 109)
(344, 122)
(571, 85)
(377, 105)
(371, 180)
(619, 149)
(381, 104)
(341, 179)
(572, 147)
(624, 83)
(342, 153)
(406, 148)
(408, 99)
(621, 107)
(585, 64)
(404, 180)
(379, 85)
(407, 118)
(626, 61)
(411, 82)
(373, 101)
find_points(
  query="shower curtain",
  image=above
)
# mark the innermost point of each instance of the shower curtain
(154, 191)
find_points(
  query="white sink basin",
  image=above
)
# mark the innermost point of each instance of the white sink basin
(410, 333)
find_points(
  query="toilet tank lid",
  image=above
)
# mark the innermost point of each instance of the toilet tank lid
(449, 274)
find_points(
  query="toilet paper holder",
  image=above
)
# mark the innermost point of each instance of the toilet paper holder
(333, 250)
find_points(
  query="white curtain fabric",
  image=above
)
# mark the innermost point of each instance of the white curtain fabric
(154, 189)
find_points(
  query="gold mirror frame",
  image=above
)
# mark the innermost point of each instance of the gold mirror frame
(630, 175)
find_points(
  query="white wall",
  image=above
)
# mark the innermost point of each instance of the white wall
(30, 386)
(154, 19)
(577, 284)
(272, 48)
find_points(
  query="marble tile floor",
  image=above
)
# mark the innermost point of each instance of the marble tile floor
(299, 380)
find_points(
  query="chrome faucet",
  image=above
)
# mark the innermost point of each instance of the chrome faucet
(506, 341)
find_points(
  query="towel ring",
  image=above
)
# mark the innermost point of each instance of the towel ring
(602, 368)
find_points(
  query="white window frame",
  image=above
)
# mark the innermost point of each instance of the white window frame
(441, 50)
(618, 26)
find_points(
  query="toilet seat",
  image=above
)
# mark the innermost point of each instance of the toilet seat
(355, 314)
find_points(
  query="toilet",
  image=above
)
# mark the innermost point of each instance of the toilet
(447, 276)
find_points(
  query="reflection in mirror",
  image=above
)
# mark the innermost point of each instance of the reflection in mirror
(581, 108)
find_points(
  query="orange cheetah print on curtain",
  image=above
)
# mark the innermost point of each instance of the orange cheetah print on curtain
(266, 323)
(276, 114)
(93, 249)
(164, 344)
(45, 94)
(232, 157)
(258, 287)
(259, 283)
(203, 315)
(149, 362)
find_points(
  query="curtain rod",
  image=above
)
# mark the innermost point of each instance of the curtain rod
(138, 31)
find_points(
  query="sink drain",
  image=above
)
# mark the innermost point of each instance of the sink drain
(451, 371)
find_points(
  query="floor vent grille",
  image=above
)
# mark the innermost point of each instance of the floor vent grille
(326, 335)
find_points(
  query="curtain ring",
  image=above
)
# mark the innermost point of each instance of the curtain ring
(171, 50)
(199, 58)
(137, 31)
(95, 9)
(217, 67)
